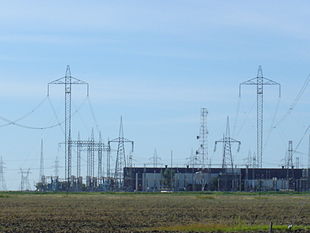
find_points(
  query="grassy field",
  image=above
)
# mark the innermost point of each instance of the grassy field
(171, 212)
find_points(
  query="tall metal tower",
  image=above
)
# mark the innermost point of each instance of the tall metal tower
(78, 159)
(309, 155)
(42, 177)
(24, 184)
(227, 161)
(202, 151)
(2, 180)
(68, 81)
(56, 168)
(100, 150)
(120, 155)
(155, 159)
(260, 81)
(290, 155)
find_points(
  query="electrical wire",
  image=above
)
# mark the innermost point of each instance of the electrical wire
(93, 114)
(272, 122)
(237, 116)
(23, 116)
(295, 101)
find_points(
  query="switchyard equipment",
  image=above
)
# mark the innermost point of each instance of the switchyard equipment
(91, 147)
(260, 81)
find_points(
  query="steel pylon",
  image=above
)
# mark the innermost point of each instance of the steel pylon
(260, 81)
(68, 81)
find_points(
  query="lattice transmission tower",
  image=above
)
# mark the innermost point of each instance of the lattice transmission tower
(56, 167)
(120, 155)
(202, 150)
(41, 175)
(68, 81)
(227, 161)
(2, 180)
(260, 81)
(24, 183)
(155, 159)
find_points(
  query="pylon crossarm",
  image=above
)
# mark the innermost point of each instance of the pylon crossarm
(252, 81)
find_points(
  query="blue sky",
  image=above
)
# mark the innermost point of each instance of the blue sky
(156, 63)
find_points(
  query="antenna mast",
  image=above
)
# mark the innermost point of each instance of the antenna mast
(203, 138)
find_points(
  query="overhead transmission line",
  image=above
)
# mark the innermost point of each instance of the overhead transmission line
(295, 102)
(58, 122)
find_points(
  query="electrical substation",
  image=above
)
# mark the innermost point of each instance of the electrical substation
(198, 174)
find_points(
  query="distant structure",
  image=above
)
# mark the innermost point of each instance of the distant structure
(202, 151)
(227, 161)
(24, 184)
(289, 161)
(56, 167)
(121, 160)
(68, 81)
(2, 180)
(41, 175)
(156, 160)
(260, 82)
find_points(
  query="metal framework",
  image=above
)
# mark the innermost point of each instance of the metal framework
(260, 82)
(121, 159)
(91, 147)
(289, 161)
(156, 160)
(227, 141)
(42, 178)
(2, 180)
(56, 167)
(24, 184)
(202, 151)
(68, 81)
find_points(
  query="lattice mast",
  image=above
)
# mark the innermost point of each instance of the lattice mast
(56, 167)
(227, 161)
(156, 160)
(2, 180)
(120, 155)
(202, 151)
(260, 81)
(309, 154)
(78, 154)
(100, 150)
(68, 81)
(42, 177)
(25, 184)
(289, 162)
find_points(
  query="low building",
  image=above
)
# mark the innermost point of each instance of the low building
(154, 179)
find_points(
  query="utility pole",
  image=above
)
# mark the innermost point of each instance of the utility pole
(68, 81)
(227, 141)
(2, 180)
(202, 151)
(120, 155)
(260, 82)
